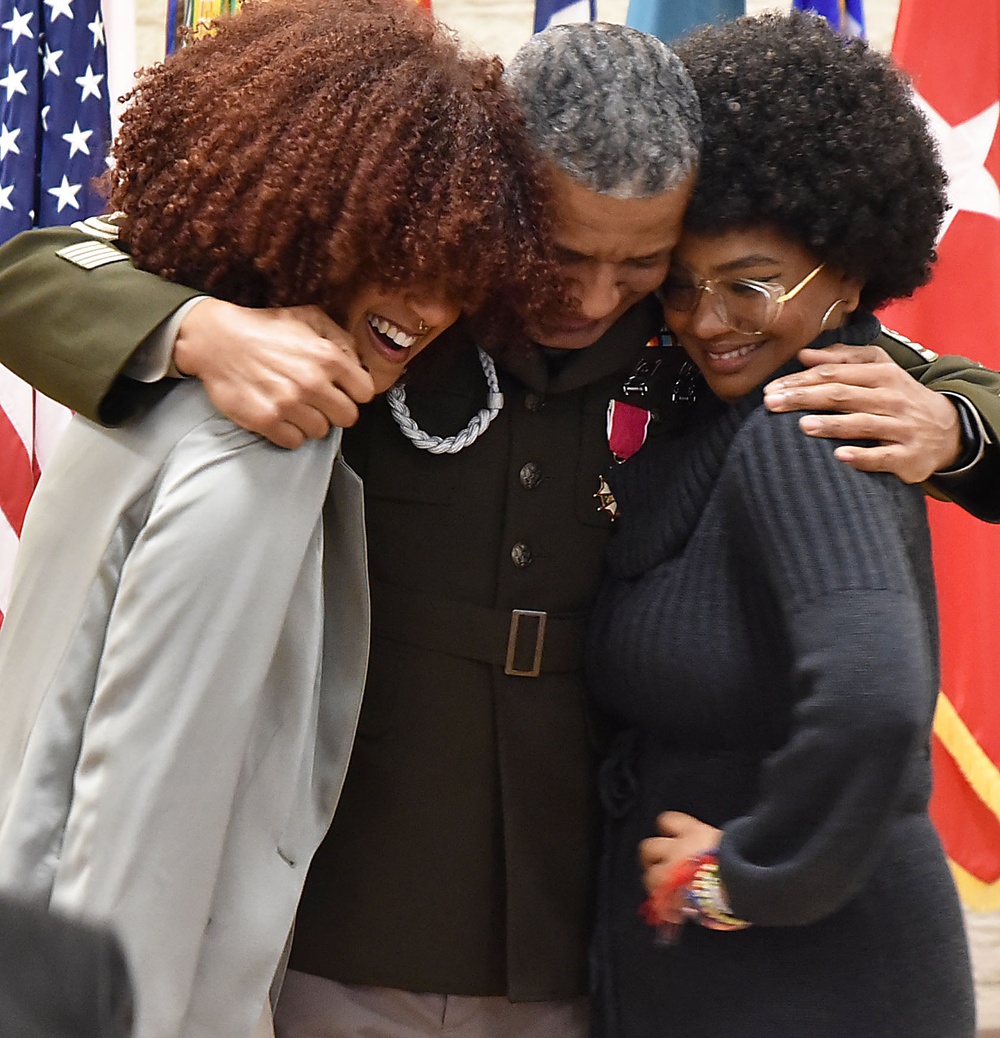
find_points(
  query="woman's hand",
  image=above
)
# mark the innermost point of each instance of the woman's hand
(681, 837)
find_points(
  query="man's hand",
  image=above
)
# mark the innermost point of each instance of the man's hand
(288, 374)
(917, 429)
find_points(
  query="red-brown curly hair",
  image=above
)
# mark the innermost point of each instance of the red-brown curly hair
(306, 146)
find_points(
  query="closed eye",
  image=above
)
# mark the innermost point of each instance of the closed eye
(645, 262)
(746, 287)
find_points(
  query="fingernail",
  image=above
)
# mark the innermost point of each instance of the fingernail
(809, 425)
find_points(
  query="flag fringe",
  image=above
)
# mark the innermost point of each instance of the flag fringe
(974, 893)
(972, 760)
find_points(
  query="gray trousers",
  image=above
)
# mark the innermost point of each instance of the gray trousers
(313, 1007)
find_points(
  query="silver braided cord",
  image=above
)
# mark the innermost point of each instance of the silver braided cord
(449, 444)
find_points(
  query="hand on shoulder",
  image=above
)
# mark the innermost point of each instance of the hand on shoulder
(917, 430)
(288, 374)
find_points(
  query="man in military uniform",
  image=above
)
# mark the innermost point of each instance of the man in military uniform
(453, 890)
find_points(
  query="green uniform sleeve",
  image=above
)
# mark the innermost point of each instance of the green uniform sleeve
(68, 325)
(978, 489)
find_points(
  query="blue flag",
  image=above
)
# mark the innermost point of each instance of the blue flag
(669, 19)
(846, 16)
(563, 12)
(55, 124)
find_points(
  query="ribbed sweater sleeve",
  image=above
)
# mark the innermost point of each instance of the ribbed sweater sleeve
(828, 555)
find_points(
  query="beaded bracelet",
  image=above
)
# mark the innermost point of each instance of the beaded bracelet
(693, 888)
(706, 897)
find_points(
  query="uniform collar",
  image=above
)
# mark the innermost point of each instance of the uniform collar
(614, 352)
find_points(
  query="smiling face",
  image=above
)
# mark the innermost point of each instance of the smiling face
(391, 326)
(612, 251)
(732, 362)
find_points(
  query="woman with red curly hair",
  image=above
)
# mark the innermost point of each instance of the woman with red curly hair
(182, 675)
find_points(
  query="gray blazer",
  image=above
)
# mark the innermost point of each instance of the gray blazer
(178, 705)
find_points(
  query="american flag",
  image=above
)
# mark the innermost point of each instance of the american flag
(54, 136)
(846, 16)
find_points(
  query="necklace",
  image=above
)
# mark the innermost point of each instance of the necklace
(480, 422)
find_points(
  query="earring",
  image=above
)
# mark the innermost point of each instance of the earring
(829, 313)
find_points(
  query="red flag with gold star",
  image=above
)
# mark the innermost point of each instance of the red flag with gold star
(952, 51)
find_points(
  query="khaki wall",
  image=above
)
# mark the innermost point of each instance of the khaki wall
(502, 25)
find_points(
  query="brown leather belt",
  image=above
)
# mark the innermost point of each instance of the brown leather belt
(525, 642)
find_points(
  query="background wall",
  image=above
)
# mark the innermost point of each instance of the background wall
(500, 26)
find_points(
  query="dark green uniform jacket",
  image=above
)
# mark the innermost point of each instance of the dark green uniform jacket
(460, 858)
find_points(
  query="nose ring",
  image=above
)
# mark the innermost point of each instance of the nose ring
(422, 328)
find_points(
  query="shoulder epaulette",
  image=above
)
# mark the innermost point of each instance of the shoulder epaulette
(89, 255)
(103, 227)
(902, 340)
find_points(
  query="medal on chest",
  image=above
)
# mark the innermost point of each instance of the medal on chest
(663, 377)
(632, 408)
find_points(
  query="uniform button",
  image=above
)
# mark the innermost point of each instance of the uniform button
(530, 475)
(520, 555)
(533, 401)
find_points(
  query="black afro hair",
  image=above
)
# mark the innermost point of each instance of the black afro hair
(818, 137)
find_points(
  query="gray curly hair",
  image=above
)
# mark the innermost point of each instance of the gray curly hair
(609, 105)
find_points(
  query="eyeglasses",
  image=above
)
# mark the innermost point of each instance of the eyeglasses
(741, 304)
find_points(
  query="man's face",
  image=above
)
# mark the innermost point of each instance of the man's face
(613, 252)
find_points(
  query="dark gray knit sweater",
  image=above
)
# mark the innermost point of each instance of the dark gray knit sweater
(767, 640)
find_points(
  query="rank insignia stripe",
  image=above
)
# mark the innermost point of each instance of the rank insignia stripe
(90, 255)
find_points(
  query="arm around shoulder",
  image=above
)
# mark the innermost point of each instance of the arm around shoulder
(73, 309)
(975, 487)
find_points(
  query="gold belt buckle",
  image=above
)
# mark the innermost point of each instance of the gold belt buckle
(515, 625)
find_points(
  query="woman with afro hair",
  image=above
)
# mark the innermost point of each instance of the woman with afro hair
(184, 651)
(767, 636)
